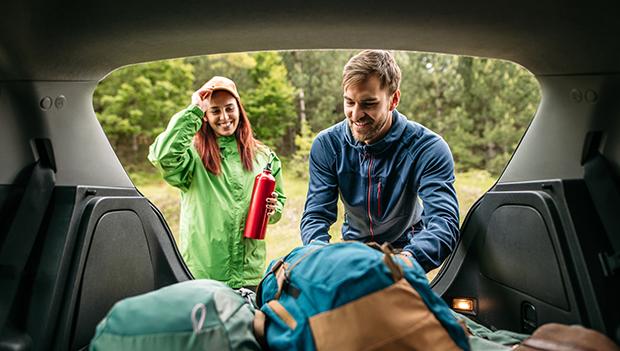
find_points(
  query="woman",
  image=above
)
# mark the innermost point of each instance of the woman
(208, 152)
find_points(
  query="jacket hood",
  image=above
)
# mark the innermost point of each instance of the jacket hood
(393, 135)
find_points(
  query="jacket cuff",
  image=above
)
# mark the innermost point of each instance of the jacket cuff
(194, 109)
(420, 257)
(275, 218)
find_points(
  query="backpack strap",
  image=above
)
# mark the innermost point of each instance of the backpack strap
(282, 271)
(259, 289)
(281, 279)
(260, 321)
(388, 259)
(283, 313)
(259, 328)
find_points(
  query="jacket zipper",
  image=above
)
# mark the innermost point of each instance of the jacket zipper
(372, 234)
(379, 200)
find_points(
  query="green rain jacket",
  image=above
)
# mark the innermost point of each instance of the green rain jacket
(214, 207)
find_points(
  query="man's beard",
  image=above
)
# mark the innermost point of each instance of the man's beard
(365, 136)
(373, 128)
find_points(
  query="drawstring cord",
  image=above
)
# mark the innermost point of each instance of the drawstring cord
(247, 295)
(198, 323)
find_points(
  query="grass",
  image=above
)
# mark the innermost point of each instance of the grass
(284, 236)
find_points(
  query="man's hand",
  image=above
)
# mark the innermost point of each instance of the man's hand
(201, 97)
(272, 201)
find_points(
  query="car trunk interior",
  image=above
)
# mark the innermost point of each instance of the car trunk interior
(76, 236)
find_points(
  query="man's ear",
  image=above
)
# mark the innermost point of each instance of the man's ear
(395, 100)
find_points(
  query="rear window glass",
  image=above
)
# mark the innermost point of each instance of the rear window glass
(480, 106)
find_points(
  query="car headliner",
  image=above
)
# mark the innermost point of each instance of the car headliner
(70, 40)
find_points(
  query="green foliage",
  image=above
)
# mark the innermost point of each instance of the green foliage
(266, 93)
(270, 105)
(319, 75)
(303, 142)
(234, 66)
(134, 103)
(480, 106)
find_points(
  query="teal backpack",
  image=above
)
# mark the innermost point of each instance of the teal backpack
(192, 315)
(349, 296)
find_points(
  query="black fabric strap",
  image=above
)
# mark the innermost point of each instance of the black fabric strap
(605, 193)
(25, 227)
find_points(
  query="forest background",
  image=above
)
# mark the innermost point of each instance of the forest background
(481, 107)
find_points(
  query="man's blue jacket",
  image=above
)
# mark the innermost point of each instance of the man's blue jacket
(381, 186)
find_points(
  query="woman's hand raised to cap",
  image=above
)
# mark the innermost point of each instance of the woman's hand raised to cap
(201, 97)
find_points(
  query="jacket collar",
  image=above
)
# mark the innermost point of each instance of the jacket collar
(228, 144)
(393, 135)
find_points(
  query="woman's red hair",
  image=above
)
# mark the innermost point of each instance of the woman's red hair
(209, 150)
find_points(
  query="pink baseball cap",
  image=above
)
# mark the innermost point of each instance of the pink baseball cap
(223, 83)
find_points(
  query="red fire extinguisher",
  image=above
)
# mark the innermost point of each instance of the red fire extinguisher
(256, 222)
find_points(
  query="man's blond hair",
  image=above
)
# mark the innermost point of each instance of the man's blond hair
(367, 63)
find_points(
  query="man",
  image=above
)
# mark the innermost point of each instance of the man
(395, 177)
